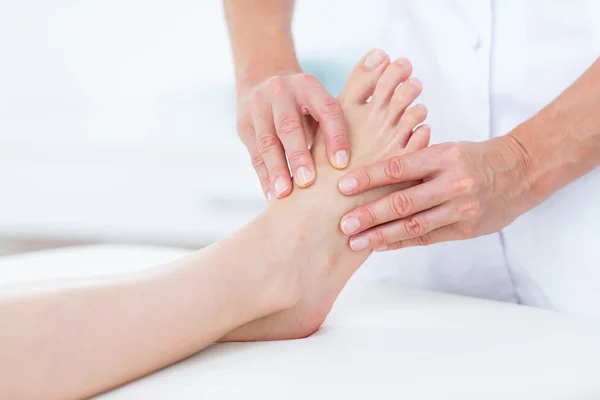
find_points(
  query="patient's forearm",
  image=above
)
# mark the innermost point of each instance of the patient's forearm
(261, 39)
(76, 339)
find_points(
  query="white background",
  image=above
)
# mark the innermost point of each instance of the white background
(117, 117)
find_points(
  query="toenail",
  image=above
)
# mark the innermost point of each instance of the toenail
(341, 159)
(303, 176)
(280, 186)
(269, 196)
(348, 184)
(415, 82)
(374, 58)
(359, 243)
(350, 225)
(403, 62)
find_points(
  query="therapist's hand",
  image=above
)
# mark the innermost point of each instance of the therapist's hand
(277, 121)
(467, 189)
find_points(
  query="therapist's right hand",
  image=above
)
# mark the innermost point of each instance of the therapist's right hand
(277, 121)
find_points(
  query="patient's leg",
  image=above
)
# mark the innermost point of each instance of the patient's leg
(378, 130)
(75, 339)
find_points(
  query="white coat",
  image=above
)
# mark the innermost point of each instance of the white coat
(488, 65)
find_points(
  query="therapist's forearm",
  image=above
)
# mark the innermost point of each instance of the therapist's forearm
(562, 142)
(261, 39)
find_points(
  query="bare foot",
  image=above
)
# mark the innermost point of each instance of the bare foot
(381, 125)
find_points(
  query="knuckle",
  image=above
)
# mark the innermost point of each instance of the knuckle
(396, 246)
(453, 152)
(394, 168)
(400, 204)
(367, 179)
(296, 156)
(471, 209)
(331, 109)
(276, 83)
(257, 162)
(423, 240)
(415, 227)
(307, 79)
(243, 124)
(464, 186)
(364, 178)
(379, 238)
(370, 217)
(245, 128)
(338, 140)
(264, 182)
(253, 98)
(267, 144)
(287, 125)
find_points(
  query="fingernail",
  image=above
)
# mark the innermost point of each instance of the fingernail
(341, 159)
(415, 82)
(374, 58)
(280, 186)
(269, 196)
(304, 176)
(382, 248)
(350, 225)
(359, 243)
(347, 185)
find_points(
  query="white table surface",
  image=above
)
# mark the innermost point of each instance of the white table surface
(379, 342)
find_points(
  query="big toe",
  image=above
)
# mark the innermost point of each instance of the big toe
(364, 76)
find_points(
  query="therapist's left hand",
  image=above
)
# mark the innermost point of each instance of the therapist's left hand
(466, 189)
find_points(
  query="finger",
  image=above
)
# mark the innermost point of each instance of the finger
(400, 204)
(270, 149)
(248, 136)
(404, 229)
(444, 234)
(328, 112)
(407, 167)
(261, 170)
(290, 130)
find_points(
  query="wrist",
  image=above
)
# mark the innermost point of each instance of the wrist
(520, 181)
(546, 156)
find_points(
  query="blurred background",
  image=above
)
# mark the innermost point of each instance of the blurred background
(117, 117)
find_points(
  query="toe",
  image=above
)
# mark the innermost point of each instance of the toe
(402, 98)
(419, 139)
(364, 76)
(395, 73)
(409, 121)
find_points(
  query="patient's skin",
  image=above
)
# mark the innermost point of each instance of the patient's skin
(378, 130)
(283, 271)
